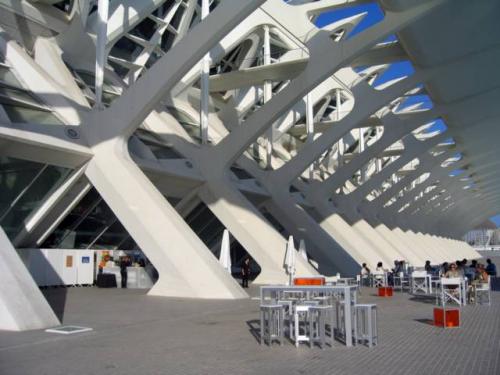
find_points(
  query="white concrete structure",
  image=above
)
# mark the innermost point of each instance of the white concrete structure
(302, 134)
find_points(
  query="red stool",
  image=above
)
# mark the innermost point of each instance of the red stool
(385, 291)
(452, 317)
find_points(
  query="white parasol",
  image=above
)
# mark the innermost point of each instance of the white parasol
(290, 259)
(225, 254)
(302, 250)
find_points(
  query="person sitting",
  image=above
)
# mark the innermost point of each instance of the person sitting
(428, 267)
(491, 268)
(380, 267)
(365, 273)
(380, 273)
(453, 272)
(443, 269)
(398, 267)
(470, 271)
(461, 267)
(481, 277)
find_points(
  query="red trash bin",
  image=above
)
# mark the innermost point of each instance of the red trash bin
(385, 291)
(452, 317)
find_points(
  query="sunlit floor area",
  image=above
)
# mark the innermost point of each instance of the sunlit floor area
(137, 334)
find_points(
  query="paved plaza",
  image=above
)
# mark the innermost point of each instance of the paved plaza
(137, 334)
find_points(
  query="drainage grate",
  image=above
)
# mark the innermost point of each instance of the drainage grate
(68, 330)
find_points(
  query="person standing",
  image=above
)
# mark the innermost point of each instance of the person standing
(124, 263)
(245, 272)
(491, 268)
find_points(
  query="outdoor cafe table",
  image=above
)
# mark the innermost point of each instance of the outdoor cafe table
(463, 285)
(275, 291)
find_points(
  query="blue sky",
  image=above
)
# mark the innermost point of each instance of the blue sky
(400, 69)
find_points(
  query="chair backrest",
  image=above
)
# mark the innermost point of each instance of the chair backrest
(451, 281)
(484, 286)
(331, 279)
(419, 274)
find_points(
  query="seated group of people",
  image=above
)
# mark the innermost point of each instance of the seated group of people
(475, 272)
(399, 266)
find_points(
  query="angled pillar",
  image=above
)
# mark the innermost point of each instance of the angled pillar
(22, 305)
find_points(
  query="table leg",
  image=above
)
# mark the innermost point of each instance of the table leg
(348, 316)
(296, 319)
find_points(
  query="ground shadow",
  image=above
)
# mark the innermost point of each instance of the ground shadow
(429, 300)
(56, 297)
(428, 322)
(254, 328)
(47, 278)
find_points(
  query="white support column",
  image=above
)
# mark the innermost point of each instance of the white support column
(341, 149)
(338, 103)
(161, 233)
(361, 135)
(204, 83)
(310, 126)
(361, 140)
(268, 93)
(22, 305)
(379, 161)
(340, 145)
(100, 59)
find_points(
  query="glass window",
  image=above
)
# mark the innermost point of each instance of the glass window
(19, 113)
(24, 189)
(93, 225)
(8, 77)
(90, 224)
(17, 95)
(15, 176)
(114, 236)
(68, 224)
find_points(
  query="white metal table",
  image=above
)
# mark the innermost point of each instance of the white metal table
(339, 292)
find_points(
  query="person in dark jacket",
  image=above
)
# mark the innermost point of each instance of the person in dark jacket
(124, 263)
(245, 272)
(491, 268)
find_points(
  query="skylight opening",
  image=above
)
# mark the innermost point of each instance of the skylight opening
(416, 102)
(373, 14)
(394, 72)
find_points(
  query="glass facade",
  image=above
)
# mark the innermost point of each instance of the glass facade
(23, 187)
(20, 105)
(209, 229)
(91, 224)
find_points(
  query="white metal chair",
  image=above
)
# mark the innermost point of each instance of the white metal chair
(420, 282)
(482, 293)
(379, 279)
(451, 291)
(366, 324)
(271, 323)
(358, 283)
(331, 280)
(340, 324)
(288, 314)
(319, 317)
(401, 281)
